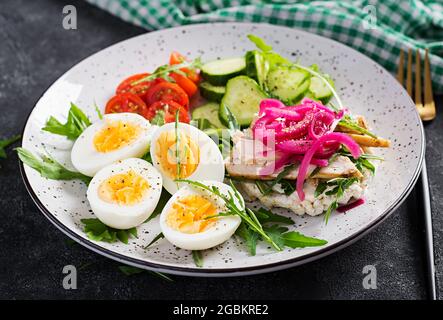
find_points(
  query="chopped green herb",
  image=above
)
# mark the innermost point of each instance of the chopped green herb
(49, 168)
(77, 122)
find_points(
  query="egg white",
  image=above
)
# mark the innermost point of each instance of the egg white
(87, 160)
(223, 228)
(125, 216)
(211, 165)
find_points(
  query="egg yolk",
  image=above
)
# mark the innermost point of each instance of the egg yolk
(125, 188)
(188, 214)
(178, 159)
(114, 135)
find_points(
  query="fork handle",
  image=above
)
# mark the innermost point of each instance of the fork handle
(428, 231)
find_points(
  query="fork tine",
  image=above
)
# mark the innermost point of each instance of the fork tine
(409, 74)
(429, 106)
(400, 71)
(418, 100)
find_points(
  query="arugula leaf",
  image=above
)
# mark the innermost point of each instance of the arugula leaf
(147, 157)
(77, 122)
(276, 233)
(246, 214)
(266, 216)
(332, 207)
(259, 42)
(98, 231)
(339, 185)
(349, 123)
(7, 142)
(159, 118)
(321, 187)
(156, 238)
(130, 270)
(250, 237)
(198, 258)
(49, 168)
(97, 109)
(232, 120)
(288, 186)
(164, 70)
(202, 124)
(265, 187)
(294, 239)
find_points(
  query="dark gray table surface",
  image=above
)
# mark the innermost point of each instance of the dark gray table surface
(34, 51)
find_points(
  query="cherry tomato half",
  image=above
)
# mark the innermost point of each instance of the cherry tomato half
(189, 86)
(126, 102)
(170, 109)
(167, 91)
(177, 58)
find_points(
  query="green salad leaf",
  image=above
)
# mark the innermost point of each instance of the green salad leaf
(77, 122)
(98, 231)
(6, 143)
(49, 168)
(197, 256)
(156, 238)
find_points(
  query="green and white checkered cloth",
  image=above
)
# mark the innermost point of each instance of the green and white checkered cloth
(377, 28)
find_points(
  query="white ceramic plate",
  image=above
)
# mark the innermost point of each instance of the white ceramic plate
(363, 85)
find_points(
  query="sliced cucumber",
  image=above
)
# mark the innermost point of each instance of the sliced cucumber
(208, 111)
(212, 93)
(319, 90)
(218, 72)
(243, 96)
(288, 84)
(256, 66)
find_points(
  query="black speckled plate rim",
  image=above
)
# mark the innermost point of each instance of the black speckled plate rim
(224, 272)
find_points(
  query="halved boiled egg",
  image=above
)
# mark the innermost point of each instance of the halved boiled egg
(185, 152)
(189, 219)
(116, 137)
(124, 194)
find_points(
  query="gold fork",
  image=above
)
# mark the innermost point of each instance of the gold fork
(426, 110)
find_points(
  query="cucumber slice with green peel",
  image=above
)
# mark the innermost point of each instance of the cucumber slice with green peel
(218, 72)
(288, 84)
(243, 96)
(256, 66)
(208, 111)
(319, 90)
(212, 93)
